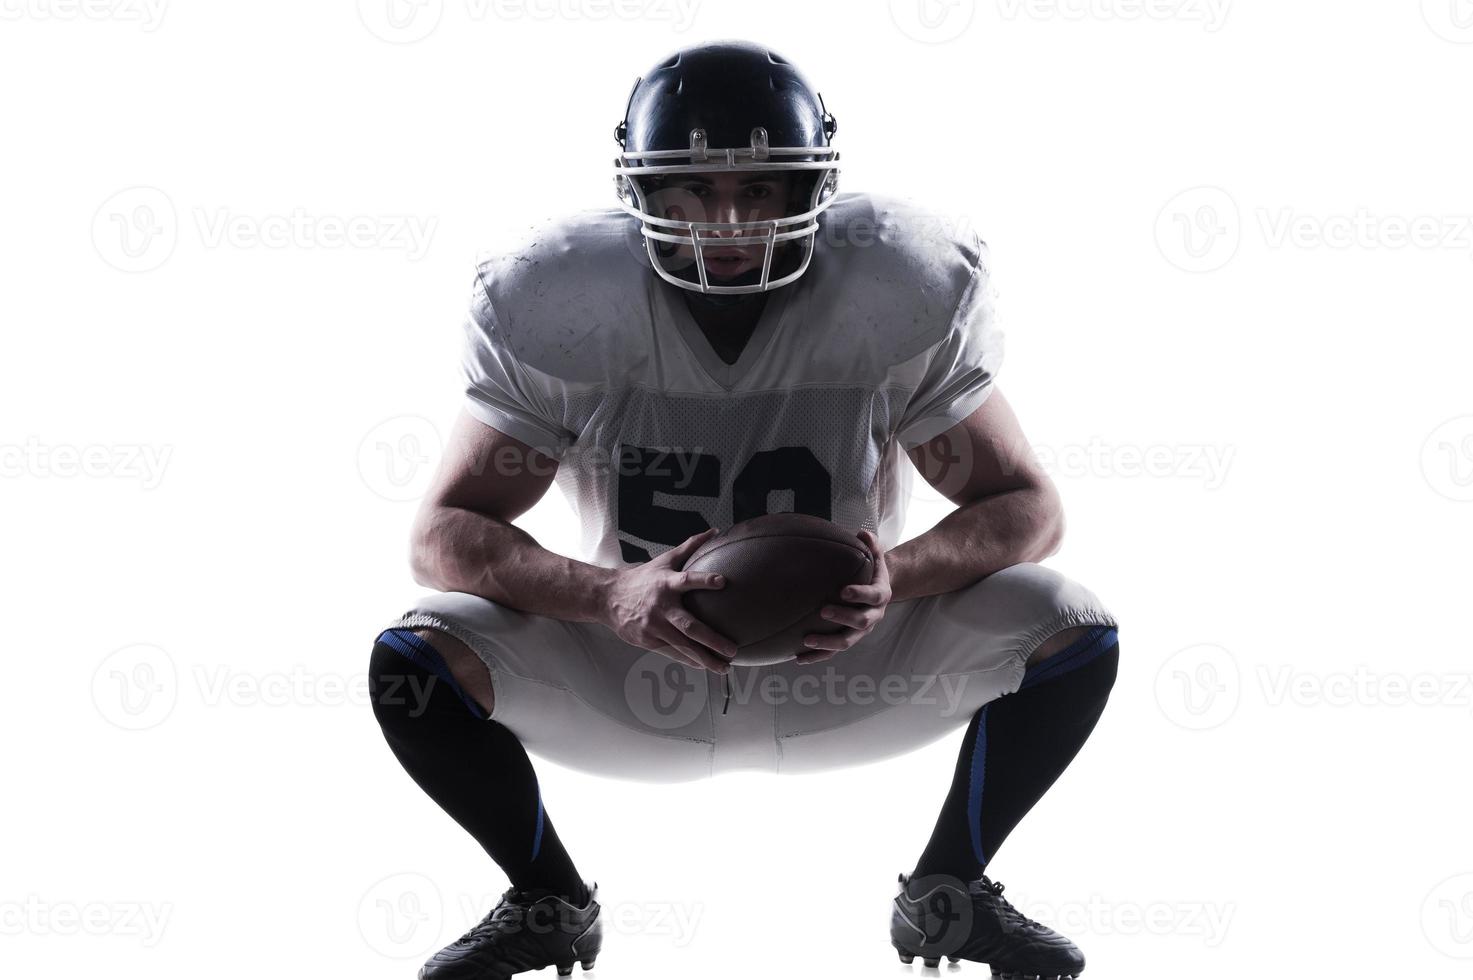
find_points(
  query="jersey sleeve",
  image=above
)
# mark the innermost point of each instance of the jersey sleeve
(499, 390)
(962, 365)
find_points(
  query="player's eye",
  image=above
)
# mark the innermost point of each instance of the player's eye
(759, 192)
(698, 190)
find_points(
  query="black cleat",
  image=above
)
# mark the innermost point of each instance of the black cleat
(939, 915)
(526, 931)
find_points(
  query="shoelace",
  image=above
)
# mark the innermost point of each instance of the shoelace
(1003, 906)
(508, 909)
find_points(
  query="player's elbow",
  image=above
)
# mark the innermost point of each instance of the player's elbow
(1050, 520)
(423, 552)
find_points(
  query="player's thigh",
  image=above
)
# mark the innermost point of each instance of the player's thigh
(929, 666)
(576, 694)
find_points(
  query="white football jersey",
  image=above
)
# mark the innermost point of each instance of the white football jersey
(574, 346)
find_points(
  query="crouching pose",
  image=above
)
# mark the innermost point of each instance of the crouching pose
(737, 338)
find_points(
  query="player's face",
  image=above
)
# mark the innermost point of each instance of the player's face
(727, 197)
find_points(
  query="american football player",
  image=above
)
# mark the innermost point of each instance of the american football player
(737, 337)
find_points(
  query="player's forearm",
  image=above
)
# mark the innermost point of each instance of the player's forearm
(457, 550)
(977, 539)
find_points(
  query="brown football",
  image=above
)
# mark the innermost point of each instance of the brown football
(780, 570)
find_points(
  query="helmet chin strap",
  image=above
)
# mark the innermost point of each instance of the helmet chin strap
(725, 301)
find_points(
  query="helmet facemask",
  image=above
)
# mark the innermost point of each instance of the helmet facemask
(767, 245)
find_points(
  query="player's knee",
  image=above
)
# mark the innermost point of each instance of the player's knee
(401, 683)
(465, 665)
(1057, 643)
(1043, 611)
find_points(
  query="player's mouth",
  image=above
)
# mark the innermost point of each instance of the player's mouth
(727, 262)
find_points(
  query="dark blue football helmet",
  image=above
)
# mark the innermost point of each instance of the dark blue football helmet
(735, 112)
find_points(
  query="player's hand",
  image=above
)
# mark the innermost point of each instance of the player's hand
(863, 608)
(643, 608)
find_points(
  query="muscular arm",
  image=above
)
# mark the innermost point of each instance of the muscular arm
(1008, 510)
(464, 539)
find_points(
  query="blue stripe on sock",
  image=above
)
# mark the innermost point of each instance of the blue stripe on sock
(537, 838)
(413, 648)
(1077, 654)
(974, 787)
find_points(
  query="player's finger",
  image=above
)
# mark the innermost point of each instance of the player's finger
(678, 554)
(882, 569)
(685, 581)
(703, 634)
(816, 657)
(684, 658)
(677, 641)
(849, 616)
(829, 641)
(867, 595)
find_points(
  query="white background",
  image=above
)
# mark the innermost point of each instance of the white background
(1251, 386)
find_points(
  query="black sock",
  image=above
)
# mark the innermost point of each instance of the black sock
(1014, 750)
(474, 768)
